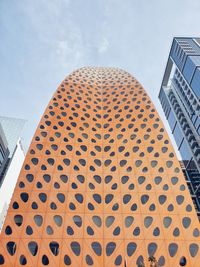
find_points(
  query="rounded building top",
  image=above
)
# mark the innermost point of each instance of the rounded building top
(100, 75)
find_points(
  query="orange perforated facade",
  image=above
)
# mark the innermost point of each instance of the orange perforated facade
(100, 184)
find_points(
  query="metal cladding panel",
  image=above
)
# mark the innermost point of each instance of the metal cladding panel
(100, 184)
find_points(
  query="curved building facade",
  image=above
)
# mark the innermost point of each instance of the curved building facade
(101, 184)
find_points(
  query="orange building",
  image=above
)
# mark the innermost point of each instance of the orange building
(101, 183)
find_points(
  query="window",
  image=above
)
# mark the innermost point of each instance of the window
(54, 247)
(96, 246)
(75, 246)
(110, 247)
(33, 248)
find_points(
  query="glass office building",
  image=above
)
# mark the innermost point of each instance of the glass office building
(179, 96)
(100, 184)
(12, 128)
(11, 160)
(4, 153)
(10, 132)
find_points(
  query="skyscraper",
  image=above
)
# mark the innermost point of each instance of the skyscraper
(179, 96)
(13, 157)
(4, 153)
(100, 185)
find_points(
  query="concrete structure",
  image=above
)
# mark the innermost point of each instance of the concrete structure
(100, 184)
(10, 132)
(179, 96)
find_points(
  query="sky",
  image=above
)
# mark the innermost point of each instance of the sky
(42, 41)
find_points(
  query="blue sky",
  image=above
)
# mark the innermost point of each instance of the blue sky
(42, 41)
